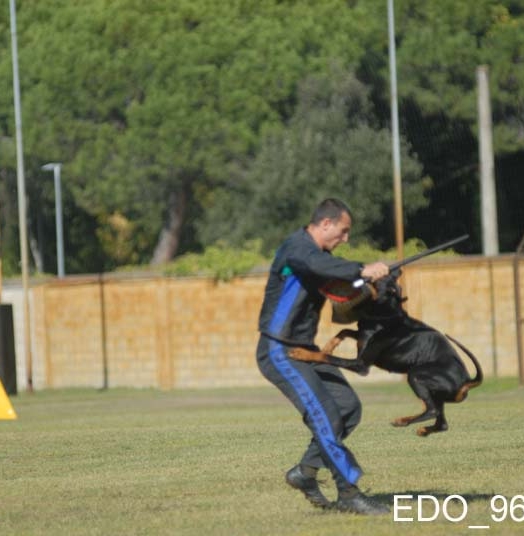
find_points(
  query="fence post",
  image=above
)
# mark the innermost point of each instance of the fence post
(103, 332)
(518, 312)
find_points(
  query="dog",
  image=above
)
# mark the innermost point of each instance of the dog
(388, 338)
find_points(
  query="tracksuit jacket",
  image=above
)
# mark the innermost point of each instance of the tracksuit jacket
(292, 301)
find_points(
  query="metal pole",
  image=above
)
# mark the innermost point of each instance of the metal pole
(22, 210)
(56, 167)
(397, 184)
(490, 241)
(518, 311)
(59, 222)
(103, 332)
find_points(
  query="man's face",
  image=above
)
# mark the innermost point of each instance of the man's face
(335, 232)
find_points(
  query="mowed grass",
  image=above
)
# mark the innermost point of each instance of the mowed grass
(141, 462)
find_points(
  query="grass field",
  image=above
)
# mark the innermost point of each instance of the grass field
(146, 462)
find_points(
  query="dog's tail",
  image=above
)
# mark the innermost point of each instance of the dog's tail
(462, 393)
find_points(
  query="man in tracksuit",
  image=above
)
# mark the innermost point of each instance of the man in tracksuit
(289, 317)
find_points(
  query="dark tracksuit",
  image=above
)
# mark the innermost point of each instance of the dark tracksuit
(289, 317)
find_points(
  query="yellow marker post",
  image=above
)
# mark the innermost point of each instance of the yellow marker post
(6, 409)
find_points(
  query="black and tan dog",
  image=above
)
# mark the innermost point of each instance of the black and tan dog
(390, 339)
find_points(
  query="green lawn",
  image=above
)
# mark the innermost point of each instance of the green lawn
(205, 463)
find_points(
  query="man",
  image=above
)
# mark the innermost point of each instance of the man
(289, 317)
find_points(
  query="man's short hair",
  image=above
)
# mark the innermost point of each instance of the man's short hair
(330, 208)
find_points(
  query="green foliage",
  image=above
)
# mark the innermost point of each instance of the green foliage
(248, 109)
(365, 253)
(223, 262)
(331, 148)
(220, 261)
(442, 45)
(142, 100)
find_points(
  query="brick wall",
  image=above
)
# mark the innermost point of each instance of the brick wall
(194, 332)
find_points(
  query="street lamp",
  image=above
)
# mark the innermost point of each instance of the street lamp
(55, 167)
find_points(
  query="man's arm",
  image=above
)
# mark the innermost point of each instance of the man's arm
(310, 260)
(323, 264)
(374, 271)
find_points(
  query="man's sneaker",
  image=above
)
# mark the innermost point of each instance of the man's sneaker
(308, 486)
(359, 503)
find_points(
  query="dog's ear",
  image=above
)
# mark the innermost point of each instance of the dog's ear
(388, 288)
(383, 287)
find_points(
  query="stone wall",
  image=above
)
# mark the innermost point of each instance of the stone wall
(194, 332)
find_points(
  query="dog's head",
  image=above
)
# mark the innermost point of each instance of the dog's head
(382, 301)
(388, 301)
(388, 289)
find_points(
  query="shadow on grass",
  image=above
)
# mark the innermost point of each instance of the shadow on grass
(388, 498)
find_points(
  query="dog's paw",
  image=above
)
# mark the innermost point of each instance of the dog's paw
(298, 353)
(426, 430)
(400, 422)
(363, 370)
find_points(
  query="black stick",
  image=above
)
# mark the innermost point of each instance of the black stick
(430, 251)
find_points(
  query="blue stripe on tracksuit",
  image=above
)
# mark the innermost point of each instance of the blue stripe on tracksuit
(318, 417)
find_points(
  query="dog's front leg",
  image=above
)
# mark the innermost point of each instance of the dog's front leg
(355, 365)
(325, 355)
(330, 346)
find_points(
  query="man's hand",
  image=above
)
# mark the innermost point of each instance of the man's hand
(374, 271)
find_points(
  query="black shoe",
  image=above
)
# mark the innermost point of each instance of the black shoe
(308, 486)
(358, 503)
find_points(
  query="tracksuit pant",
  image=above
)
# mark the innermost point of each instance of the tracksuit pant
(329, 407)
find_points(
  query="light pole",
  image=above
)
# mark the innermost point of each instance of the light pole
(22, 213)
(55, 167)
(397, 180)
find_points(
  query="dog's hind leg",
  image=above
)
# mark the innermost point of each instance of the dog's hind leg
(417, 383)
(441, 425)
(428, 413)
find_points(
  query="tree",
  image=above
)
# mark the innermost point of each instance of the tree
(332, 147)
(170, 114)
(152, 105)
(439, 48)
